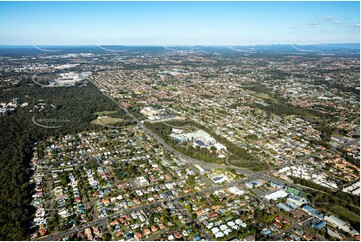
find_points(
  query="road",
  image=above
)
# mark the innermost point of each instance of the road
(103, 221)
(296, 225)
(205, 234)
(195, 161)
(50, 199)
(160, 140)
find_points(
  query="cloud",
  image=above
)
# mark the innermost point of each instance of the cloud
(337, 22)
(356, 25)
(313, 23)
(327, 18)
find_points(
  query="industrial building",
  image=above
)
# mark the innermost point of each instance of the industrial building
(236, 191)
(284, 207)
(319, 225)
(277, 185)
(336, 222)
(220, 179)
(201, 170)
(200, 138)
(312, 211)
(296, 200)
(254, 183)
(276, 195)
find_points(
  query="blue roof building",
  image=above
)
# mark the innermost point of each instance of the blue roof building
(197, 238)
(200, 143)
(266, 232)
(284, 207)
(312, 211)
(319, 225)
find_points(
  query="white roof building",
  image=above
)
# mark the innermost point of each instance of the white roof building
(236, 191)
(335, 221)
(199, 168)
(276, 195)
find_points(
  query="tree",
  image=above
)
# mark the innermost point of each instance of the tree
(18, 135)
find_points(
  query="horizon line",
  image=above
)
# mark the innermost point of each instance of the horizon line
(185, 45)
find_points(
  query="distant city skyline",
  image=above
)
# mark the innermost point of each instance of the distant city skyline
(178, 23)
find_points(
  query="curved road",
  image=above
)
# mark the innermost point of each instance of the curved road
(102, 221)
(160, 140)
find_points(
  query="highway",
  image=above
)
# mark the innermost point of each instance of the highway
(102, 221)
(160, 140)
(190, 160)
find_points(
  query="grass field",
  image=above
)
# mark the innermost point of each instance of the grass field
(105, 113)
(107, 121)
(345, 213)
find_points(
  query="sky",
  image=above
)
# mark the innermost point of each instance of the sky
(178, 23)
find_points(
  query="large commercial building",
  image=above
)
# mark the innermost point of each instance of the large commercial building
(296, 200)
(276, 195)
(236, 191)
(254, 183)
(200, 138)
(335, 221)
(284, 207)
(319, 225)
(312, 211)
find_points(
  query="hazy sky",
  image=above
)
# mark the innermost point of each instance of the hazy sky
(178, 23)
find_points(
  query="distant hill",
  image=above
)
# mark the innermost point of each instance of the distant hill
(333, 48)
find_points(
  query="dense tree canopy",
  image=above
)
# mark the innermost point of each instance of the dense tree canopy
(17, 137)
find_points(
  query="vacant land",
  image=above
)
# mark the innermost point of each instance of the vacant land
(345, 213)
(107, 121)
(112, 118)
(105, 113)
